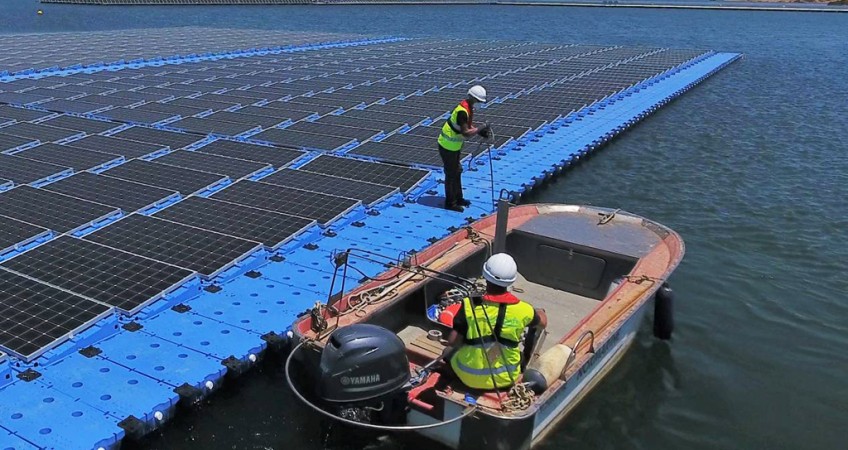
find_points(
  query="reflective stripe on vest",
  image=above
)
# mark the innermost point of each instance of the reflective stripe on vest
(451, 137)
(482, 358)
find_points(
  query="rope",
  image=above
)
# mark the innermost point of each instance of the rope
(520, 398)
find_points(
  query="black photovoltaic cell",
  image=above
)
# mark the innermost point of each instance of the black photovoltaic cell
(8, 142)
(209, 126)
(22, 114)
(14, 232)
(127, 195)
(171, 139)
(35, 316)
(321, 207)
(232, 167)
(413, 140)
(202, 251)
(80, 124)
(184, 181)
(301, 140)
(403, 178)
(124, 147)
(44, 133)
(183, 111)
(102, 101)
(400, 154)
(267, 227)
(120, 279)
(76, 158)
(277, 157)
(23, 171)
(368, 193)
(200, 104)
(276, 113)
(49, 209)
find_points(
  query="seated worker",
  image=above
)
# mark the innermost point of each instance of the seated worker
(488, 330)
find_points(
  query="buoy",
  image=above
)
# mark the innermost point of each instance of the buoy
(664, 312)
(547, 368)
(39, 12)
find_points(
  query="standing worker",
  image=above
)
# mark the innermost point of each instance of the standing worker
(489, 329)
(458, 127)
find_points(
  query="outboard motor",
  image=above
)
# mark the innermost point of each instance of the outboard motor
(364, 374)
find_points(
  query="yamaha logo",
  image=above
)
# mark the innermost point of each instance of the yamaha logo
(364, 379)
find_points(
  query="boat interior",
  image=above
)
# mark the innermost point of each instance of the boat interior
(568, 264)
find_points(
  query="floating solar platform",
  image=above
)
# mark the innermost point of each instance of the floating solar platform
(205, 252)
(185, 181)
(578, 96)
(320, 207)
(112, 277)
(129, 196)
(44, 133)
(272, 229)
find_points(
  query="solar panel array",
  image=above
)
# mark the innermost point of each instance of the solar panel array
(279, 143)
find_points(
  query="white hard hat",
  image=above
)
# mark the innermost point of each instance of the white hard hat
(478, 92)
(500, 270)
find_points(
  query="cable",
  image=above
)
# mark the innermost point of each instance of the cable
(470, 410)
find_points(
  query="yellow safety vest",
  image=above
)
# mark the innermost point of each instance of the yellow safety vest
(451, 137)
(485, 356)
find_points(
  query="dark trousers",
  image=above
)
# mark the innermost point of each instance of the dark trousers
(453, 176)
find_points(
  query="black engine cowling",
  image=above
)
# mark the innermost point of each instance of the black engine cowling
(362, 362)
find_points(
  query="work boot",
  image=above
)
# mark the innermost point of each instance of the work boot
(454, 207)
(463, 202)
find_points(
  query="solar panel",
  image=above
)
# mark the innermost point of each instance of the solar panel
(359, 133)
(202, 251)
(301, 140)
(76, 158)
(124, 147)
(130, 115)
(414, 140)
(277, 157)
(51, 210)
(232, 167)
(71, 106)
(272, 229)
(81, 124)
(400, 154)
(403, 178)
(276, 113)
(102, 101)
(8, 142)
(184, 111)
(248, 119)
(23, 171)
(35, 316)
(127, 195)
(117, 278)
(321, 207)
(44, 133)
(164, 138)
(200, 104)
(21, 114)
(368, 193)
(209, 126)
(182, 180)
(13, 232)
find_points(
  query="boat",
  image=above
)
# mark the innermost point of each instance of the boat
(373, 357)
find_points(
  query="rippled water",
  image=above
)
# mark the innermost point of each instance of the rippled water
(751, 168)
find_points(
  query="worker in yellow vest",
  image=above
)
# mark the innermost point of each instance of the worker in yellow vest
(490, 328)
(458, 127)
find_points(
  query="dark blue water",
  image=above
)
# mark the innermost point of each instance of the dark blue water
(751, 168)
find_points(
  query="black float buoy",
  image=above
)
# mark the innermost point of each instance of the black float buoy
(664, 312)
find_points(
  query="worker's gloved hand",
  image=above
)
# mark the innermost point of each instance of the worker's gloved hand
(484, 130)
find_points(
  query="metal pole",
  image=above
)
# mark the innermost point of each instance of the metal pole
(500, 227)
